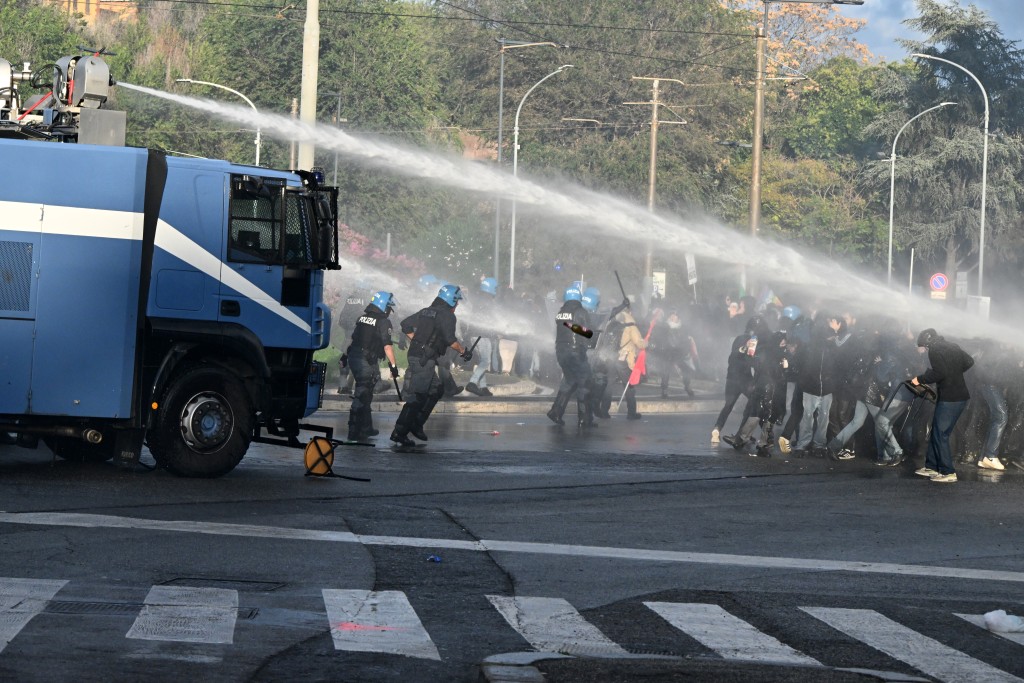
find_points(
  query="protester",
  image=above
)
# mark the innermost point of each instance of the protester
(631, 342)
(816, 379)
(948, 364)
(739, 376)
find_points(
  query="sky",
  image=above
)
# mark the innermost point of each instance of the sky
(884, 22)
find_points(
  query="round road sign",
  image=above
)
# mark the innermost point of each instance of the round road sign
(939, 282)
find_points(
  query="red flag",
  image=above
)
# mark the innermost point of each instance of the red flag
(640, 366)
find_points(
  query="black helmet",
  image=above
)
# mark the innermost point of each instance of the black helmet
(755, 324)
(927, 337)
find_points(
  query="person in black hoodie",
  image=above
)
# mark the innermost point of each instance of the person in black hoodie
(948, 364)
(816, 378)
(739, 375)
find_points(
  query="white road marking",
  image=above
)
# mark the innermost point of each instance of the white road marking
(605, 552)
(553, 625)
(377, 621)
(20, 600)
(727, 635)
(187, 615)
(925, 654)
(979, 620)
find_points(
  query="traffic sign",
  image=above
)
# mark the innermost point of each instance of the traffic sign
(939, 282)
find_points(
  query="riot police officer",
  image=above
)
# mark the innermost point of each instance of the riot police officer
(353, 307)
(606, 349)
(571, 354)
(371, 341)
(431, 332)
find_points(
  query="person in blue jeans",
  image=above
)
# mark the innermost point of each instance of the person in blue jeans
(948, 364)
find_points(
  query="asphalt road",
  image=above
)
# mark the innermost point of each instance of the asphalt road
(506, 534)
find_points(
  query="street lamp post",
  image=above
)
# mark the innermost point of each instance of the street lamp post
(892, 177)
(515, 174)
(762, 48)
(984, 169)
(505, 45)
(337, 121)
(259, 139)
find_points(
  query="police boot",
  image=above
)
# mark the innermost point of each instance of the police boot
(558, 408)
(399, 435)
(586, 413)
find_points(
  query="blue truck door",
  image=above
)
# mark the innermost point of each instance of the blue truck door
(251, 276)
(20, 228)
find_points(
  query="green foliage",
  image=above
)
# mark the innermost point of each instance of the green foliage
(427, 75)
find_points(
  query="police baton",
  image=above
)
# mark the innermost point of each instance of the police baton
(473, 347)
(397, 389)
(621, 288)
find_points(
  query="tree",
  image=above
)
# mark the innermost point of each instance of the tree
(938, 177)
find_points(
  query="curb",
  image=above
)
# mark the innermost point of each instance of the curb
(525, 406)
(522, 667)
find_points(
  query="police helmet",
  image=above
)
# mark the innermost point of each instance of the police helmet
(573, 292)
(385, 301)
(489, 285)
(591, 299)
(791, 312)
(450, 294)
(927, 337)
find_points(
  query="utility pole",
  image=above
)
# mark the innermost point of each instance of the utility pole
(310, 72)
(291, 152)
(655, 105)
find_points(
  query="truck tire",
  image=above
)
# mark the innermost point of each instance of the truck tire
(77, 450)
(203, 425)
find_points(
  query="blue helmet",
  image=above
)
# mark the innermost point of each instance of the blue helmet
(489, 285)
(385, 301)
(591, 299)
(791, 312)
(450, 294)
(573, 292)
(427, 281)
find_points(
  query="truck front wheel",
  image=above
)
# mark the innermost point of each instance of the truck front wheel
(203, 425)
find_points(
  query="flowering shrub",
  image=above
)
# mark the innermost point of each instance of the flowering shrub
(354, 244)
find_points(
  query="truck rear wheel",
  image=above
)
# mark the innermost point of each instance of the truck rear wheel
(203, 425)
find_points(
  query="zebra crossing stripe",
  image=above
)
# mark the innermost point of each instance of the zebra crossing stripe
(187, 615)
(377, 621)
(924, 654)
(20, 600)
(979, 620)
(553, 625)
(727, 635)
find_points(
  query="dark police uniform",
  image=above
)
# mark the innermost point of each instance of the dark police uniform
(434, 333)
(372, 332)
(347, 318)
(571, 353)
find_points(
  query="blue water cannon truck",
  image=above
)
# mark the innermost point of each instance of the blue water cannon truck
(151, 300)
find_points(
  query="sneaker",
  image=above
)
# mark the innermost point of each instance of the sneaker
(473, 389)
(484, 391)
(456, 391)
(944, 478)
(784, 446)
(926, 472)
(419, 434)
(738, 444)
(555, 417)
(715, 436)
(845, 454)
(991, 464)
(762, 452)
